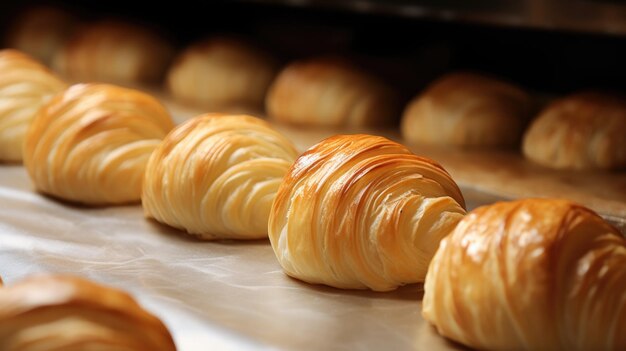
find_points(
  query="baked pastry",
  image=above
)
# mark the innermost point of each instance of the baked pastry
(56, 312)
(114, 52)
(25, 85)
(90, 143)
(221, 72)
(216, 176)
(533, 274)
(581, 131)
(41, 32)
(361, 211)
(329, 93)
(466, 109)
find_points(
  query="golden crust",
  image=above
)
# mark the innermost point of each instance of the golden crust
(221, 72)
(329, 93)
(534, 274)
(25, 85)
(41, 32)
(581, 131)
(466, 109)
(216, 176)
(91, 143)
(114, 52)
(360, 211)
(55, 312)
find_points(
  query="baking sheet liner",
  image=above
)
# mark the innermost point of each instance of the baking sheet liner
(223, 295)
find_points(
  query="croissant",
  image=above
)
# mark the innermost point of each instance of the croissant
(360, 211)
(466, 109)
(329, 93)
(216, 176)
(59, 313)
(41, 32)
(25, 85)
(581, 131)
(221, 72)
(534, 274)
(115, 52)
(90, 144)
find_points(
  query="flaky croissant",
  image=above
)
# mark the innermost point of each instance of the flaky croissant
(90, 144)
(25, 85)
(467, 109)
(535, 274)
(216, 176)
(329, 93)
(581, 131)
(115, 52)
(221, 72)
(360, 211)
(61, 313)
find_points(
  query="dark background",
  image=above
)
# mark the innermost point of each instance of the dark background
(407, 52)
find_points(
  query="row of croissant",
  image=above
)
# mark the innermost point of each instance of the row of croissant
(579, 131)
(352, 212)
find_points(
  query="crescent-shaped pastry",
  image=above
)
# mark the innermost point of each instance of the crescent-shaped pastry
(61, 313)
(465, 109)
(329, 93)
(90, 144)
(114, 52)
(581, 131)
(221, 72)
(41, 32)
(361, 211)
(216, 176)
(25, 85)
(534, 274)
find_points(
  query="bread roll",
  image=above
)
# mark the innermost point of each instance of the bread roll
(41, 32)
(534, 274)
(581, 131)
(221, 72)
(360, 211)
(114, 52)
(329, 93)
(90, 144)
(216, 176)
(465, 109)
(61, 313)
(25, 85)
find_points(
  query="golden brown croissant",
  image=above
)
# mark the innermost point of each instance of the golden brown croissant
(221, 72)
(329, 93)
(41, 32)
(534, 274)
(25, 85)
(216, 176)
(581, 131)
(91, 143)
(114, 52)
(466, 109)
(360, 211)
(64, 313)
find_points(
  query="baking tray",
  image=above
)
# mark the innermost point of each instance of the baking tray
(231, 295)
